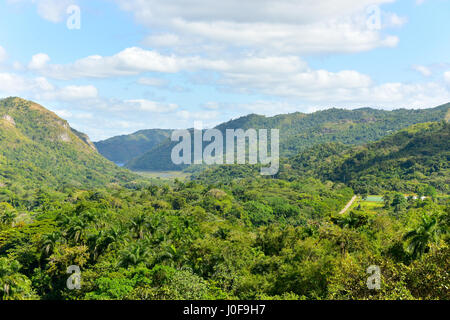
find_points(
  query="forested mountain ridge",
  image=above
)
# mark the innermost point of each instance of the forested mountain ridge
(300, 131)
(252, 238)
(121, 149)
(39, 148)
(419, 154)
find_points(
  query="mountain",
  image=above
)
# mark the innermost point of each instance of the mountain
(403, 161)
(299, 131)
(38, 148)
(121, 149)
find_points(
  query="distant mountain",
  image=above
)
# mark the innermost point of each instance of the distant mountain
(38, 148)
(419, 154)
(121, 149)
(300, 131)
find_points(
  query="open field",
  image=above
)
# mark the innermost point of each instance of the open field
(164, 175)
(372, 204)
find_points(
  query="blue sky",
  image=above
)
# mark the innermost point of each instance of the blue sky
(136, 64)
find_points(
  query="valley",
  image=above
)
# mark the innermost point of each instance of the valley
(355, 189)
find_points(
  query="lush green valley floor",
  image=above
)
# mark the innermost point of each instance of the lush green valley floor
(250, 239)
(222, 232)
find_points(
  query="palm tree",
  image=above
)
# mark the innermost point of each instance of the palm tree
(168, 254)
(13, 284)
(102, 240)
(76, 229)
(133, 255)
(8, 217)
(421, 237)
(49, 242)
(138, 224)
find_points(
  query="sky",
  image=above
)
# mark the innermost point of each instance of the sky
(113, 67)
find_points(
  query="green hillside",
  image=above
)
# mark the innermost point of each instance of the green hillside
(121, 149)
(417, 155)
(230, 235)
(37, 148)
(300, 131)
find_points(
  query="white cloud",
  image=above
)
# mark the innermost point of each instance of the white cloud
(397, 95)
(70, 93)
(17, 66)
(301, 84)
(50, 10)
(130, 61)
(301, 26)
(385, 96)
(152, 106)
(152, 82)
(38, 61)
(164, 40)
(40, 88)
(425, 71)
(67, 114)
(269, 108)
(13, 84)
(275, 76)
(3, 55)
(323, 37)
(447, 77)
(211, 105)
(281, 11)
(134, 61)
(197, 116)
(393, 20)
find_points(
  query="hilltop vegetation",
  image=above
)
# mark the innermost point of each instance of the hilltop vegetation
(122, 149)
(231, 233)
(404, 161)
(300, 131)
(37, 148)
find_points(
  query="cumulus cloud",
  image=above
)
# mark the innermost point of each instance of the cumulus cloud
(13, 84)
(40, 88)
(308, 83)
(38, 61)
(130, 61)
(302, 26)
(134, 61)
(278, 76)
(274, 75)
(281, 11)
(322, 37)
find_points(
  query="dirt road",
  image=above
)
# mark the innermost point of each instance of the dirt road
(348, 205)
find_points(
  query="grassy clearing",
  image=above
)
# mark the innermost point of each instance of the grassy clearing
(164, 175)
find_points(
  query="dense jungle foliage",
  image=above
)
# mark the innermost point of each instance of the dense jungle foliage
(228, 233)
